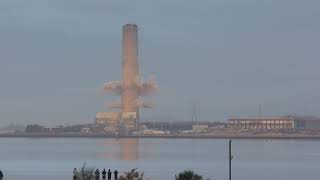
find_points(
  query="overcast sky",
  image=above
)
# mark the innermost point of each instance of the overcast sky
(228, 56)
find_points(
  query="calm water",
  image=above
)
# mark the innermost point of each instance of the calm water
(54, 158)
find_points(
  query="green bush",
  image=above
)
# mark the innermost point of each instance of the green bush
(188, 175)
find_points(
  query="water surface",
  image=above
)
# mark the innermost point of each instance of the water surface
(54, 158)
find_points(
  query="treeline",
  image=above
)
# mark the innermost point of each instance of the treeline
(186, 125)
(34, 128)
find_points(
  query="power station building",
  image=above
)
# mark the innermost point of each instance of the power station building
(108, 118)
(117, 120)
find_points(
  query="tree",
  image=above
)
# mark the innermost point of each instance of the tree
(132, 175)
(188, 175)
(86, 173)
(34, 128)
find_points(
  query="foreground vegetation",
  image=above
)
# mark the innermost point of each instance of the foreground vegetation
(87, 173)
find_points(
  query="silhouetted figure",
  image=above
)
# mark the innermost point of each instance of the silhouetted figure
(109, 174)
(104, 174)
(75, 174)
(1, 175)
(97, 174)
(115, 175)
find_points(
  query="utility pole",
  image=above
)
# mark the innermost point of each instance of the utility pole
(230, 159)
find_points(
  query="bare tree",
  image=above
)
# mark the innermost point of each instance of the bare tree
(132, 175)
(86, 173)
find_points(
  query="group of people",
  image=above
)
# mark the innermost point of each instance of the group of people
(104, 174)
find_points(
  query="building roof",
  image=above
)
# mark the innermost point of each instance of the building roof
(261, 119)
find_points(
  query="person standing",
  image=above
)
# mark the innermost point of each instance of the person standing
(109, 174)
(75, 174)
(1, 175)
(115, 175)
(104, 174)
(97, 174)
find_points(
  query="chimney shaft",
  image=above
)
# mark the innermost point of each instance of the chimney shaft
(130, 68)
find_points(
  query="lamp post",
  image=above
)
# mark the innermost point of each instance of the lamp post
(230, 159)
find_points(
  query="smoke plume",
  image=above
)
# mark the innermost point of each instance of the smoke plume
(148, 87)
(139, 103)
(114, 104)
(114, 87)
(144, 104)
(144, 88)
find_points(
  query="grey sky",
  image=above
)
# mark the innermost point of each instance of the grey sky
(227, 55)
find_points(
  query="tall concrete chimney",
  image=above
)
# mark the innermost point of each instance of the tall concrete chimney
(130, 69)
(131, 86)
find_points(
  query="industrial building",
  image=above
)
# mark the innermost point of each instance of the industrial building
(116, 120)
(108, 118)
(262, 123)
(288, 123)
(309, 123)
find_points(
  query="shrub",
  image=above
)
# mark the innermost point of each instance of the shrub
(188, 175)
(86, 173)
(132, 175)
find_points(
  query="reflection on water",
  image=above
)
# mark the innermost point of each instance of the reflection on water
(128, 149)
(120, 149)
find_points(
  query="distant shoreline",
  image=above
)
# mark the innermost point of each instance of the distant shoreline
(193, 136)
